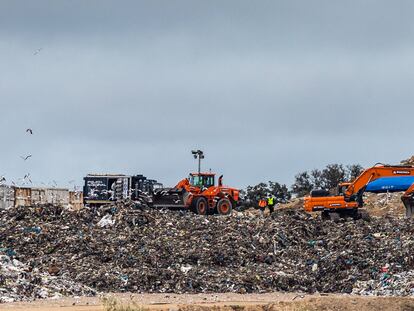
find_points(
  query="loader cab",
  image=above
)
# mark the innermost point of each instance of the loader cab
(202, 180)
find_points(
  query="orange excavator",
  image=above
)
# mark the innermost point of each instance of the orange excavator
(349, 197)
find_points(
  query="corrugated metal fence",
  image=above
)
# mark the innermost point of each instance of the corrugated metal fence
(24, 196)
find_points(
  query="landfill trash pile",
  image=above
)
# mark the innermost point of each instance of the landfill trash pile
(409, 161)
(384, 204)
(401, 284)
(123, 248)
(21, 282)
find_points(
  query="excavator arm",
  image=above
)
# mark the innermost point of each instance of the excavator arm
(351, 198)
(373, 173)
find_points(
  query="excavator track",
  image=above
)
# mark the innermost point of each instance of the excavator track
(408, 202)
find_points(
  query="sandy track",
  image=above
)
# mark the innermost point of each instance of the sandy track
(224, 302)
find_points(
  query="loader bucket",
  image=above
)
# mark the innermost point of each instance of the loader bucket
(169, 198)
(409, 206)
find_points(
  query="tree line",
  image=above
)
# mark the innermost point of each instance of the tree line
(327, 178)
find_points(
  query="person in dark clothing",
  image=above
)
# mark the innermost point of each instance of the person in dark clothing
(271, 204)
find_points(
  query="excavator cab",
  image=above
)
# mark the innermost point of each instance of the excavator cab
(342, 188)
(202, 180)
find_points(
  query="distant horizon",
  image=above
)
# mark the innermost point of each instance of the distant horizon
(76, 187)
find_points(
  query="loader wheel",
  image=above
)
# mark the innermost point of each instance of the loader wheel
(224, 207)
(201, 206)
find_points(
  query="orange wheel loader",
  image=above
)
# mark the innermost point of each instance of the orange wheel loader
(199, 193)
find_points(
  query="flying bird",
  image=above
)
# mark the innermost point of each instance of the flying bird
(37, 51)
(30, 131)
(27, 177)
(26, 157)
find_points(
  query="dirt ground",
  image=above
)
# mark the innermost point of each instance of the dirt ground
(222, 302)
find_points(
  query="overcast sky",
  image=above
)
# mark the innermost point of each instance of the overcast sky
(265, 88)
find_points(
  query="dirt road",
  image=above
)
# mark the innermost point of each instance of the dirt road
(222, 302)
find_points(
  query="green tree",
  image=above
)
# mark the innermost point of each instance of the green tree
(264, 190)
(317, 179)
(280, 192)
(332, 175)
(327, 179)
(302, 185)
(353, 171)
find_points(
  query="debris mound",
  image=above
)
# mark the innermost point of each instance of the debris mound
(384, 204)
(125, 248)
(21, 282)
(409, 161)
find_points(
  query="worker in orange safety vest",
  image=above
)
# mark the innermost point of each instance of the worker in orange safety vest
(262, 205)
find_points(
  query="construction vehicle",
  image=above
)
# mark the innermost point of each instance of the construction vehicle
(349, 196)
(199, 193)
(101, 189)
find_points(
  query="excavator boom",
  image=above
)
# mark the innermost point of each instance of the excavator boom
(374, 173)
(349, 198)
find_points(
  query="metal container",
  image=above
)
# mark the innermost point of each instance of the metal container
(22, 196)
(102, 189)
(55, 196)
(6, 197)
(76, 199)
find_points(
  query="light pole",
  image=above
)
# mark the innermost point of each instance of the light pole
(198, 154)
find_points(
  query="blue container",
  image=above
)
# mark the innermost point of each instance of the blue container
(390, 184)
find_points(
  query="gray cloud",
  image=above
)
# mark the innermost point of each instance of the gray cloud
(266, 88)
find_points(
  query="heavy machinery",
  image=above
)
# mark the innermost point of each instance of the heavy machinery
(199, 193)
(101, 189)
(349, 196)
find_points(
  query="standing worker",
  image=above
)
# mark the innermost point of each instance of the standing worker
(271, 203)
(262, 206)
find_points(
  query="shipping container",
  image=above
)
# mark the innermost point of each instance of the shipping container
(6, 197)
(102, 189)
(22, 196)
(25, 196)
(55, 196)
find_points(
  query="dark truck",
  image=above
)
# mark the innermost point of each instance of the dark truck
(101, 189)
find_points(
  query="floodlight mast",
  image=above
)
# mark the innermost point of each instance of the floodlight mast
(198, 154)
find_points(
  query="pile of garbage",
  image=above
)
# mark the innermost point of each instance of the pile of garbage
(124, 248)
(384, 204)
(409, 161)
(21, 282)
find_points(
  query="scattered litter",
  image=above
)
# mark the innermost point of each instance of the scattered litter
(48, 251)
(106, 221)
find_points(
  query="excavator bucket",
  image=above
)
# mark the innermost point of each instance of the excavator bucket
(409, 206)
